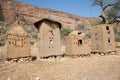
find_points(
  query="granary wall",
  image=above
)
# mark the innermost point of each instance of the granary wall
(109, 39)
(17, 46)
(69, 46)
(49, 40)
(17, 43)
(97, 38)
(77, 45)
(103, 38)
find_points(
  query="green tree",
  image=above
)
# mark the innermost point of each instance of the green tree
(65, 32)
(113, 14)
(110, 6)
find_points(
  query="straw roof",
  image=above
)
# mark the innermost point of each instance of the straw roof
(17, 29)
(46, 19)
(77, 34)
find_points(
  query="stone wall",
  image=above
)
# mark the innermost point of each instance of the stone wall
(32, 14)
(77, 44)
(102, 38)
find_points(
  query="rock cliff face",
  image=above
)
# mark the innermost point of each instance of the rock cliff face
(32, 14)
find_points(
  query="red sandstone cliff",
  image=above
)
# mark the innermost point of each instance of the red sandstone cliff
(32, 13)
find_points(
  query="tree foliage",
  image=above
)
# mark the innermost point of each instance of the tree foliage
(113, 14)
(65, 32)
(110, 10)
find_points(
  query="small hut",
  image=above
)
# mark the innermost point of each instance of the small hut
(102, 39)
(48, 37)
(17, 42)
(76, 44)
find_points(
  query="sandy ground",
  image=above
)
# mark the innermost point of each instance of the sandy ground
(87, 68)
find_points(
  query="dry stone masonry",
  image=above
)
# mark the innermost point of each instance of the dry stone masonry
(77, 44)
(48, 37)
(17, 42)
(102, 39)
(48, 23)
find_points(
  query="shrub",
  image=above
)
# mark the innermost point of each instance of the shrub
(97, 22)
(80, 27)
(34, 36)
(65, 32)
(88, 35)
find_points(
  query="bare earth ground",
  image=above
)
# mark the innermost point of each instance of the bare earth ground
(87, 68)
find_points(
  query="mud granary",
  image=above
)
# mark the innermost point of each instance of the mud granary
(48, 37)
(102, 38)
(17, 42)
(76, 44)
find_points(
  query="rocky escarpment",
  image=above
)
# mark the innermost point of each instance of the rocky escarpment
(31, 13)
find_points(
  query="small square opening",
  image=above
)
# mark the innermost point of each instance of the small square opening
(109, 41)
(107, 27)
(79, 42)
(79, 33)
(109, 32)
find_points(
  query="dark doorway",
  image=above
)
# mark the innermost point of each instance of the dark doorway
(109, 41)
(107, 27)
(79, 42)
(79, 33)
